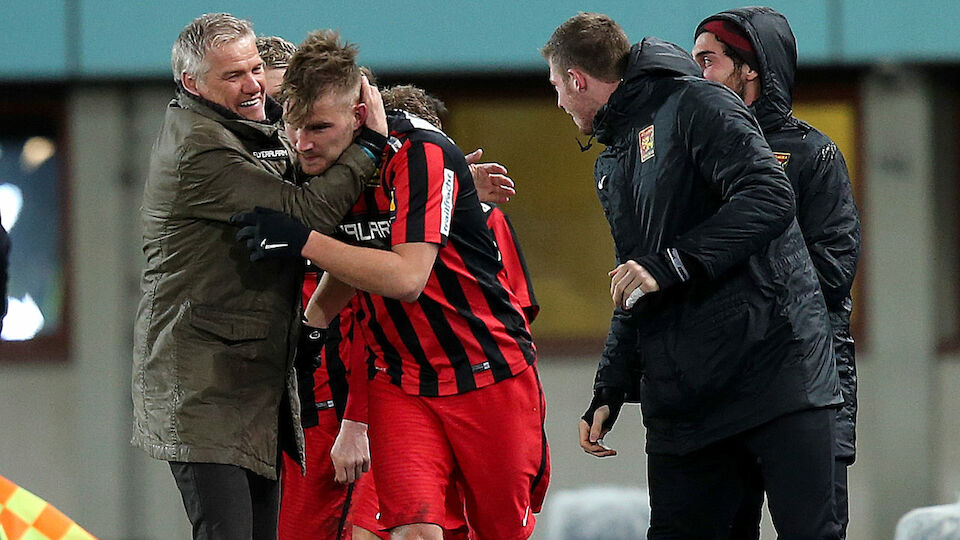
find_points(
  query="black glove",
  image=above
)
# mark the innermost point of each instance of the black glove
(306, 361)
(613, 398)
(270, 234)
(309, 348)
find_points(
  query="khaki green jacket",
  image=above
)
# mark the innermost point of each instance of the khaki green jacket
(213, 377)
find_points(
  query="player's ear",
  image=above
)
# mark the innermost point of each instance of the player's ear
(578, 79)
(189, 83)
(359, 115)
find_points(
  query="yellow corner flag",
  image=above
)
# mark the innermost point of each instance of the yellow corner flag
(24, 516)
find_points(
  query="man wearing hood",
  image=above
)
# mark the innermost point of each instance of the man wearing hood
(753, 52)
(720, 329)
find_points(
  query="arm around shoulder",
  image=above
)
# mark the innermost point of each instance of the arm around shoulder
(323, 200)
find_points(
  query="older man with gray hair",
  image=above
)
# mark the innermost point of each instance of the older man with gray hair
(214, 390)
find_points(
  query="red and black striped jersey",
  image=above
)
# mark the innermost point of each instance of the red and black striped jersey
(367, 224)
(514, 276)
(466, 330)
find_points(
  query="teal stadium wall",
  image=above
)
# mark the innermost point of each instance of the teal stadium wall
(123, 39)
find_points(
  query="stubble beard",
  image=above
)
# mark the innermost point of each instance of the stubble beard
(738, 83)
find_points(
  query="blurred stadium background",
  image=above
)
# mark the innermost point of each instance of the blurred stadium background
(84, 85)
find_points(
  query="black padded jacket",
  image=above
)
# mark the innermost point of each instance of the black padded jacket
(738, 333)
(826, 210)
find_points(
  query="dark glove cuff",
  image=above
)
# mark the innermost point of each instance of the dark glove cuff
(373, 143)
(304, 236)
(309, 348)
(669, 268)
(607, 395)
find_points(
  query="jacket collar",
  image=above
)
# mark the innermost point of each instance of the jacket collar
(650, 57)
(402, 124)
(231, 120)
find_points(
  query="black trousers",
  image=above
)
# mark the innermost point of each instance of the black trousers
(698, 495)
(227, 502)
(746, 524)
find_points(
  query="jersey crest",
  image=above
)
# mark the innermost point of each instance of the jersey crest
(646, 143)
(783, 158)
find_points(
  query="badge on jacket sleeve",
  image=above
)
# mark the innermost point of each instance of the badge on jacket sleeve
(646, 143)
(783, 158)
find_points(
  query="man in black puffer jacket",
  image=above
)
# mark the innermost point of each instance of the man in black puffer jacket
(753, 52)
(728, 352)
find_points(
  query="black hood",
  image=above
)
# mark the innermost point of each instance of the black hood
(652, 56)
(776, 50)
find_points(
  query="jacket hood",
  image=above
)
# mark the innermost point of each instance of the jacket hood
(776, 49)
(652, 56)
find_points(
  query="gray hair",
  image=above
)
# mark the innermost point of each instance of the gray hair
(205, 32)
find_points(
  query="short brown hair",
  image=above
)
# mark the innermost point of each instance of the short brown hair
(409, 98)
(592, 42)
(322, 64)
(275, 51)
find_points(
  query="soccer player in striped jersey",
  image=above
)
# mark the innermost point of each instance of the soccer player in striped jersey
(322, 505)
(349, 455)
(454, 389)
(313, 505)
(316, 505)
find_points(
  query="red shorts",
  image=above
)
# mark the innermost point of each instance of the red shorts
(316, 506)
(365, 510)
(490, 441)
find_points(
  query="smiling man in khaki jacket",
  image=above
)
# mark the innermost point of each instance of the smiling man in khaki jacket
(214, 390)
